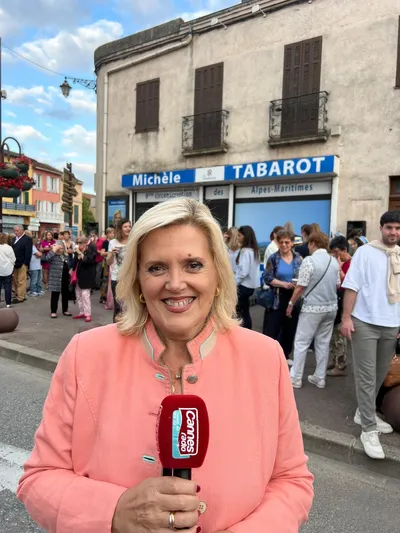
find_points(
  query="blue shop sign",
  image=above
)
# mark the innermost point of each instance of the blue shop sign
(280, 168)
(284, 168)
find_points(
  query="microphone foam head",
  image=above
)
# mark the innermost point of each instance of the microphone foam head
(182, 432)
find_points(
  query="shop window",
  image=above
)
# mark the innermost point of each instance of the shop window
(147, 106)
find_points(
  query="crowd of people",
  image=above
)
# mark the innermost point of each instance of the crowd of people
(320, 294)
(68, 268)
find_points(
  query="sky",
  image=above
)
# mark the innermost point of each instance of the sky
(62, 36)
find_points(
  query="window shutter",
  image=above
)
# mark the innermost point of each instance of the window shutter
(58, 185)
(147, 106)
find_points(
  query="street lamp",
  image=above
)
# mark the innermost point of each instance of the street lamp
(66, 87)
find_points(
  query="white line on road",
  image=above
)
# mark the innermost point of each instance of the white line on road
(12, 460)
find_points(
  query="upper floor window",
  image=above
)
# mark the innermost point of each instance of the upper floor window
(147, 106)
(53, 184)
(39, 181)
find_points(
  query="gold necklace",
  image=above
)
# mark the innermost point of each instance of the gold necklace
(178, 377)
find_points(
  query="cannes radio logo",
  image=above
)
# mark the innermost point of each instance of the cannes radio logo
(185, 433)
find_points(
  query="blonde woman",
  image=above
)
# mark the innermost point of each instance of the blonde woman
(231, 238)
(95, 466)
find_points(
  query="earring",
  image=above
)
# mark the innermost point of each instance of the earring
(141, 299)
(217, 292)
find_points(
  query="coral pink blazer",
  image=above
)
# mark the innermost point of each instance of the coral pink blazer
(97, 436)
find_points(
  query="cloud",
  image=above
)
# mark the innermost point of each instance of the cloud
(195, 14)
(70, 154)
(78, 138)
(82, 100)
(144, 8)
(71, 51)
(11, 114)
(8, 24)
(23, 96)
(23, 133)
(49, 125)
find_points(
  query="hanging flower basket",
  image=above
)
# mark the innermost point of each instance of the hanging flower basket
(27, 183)
(8, 171)
(12, 192)
(22, 163)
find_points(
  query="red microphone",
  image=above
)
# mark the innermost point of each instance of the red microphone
(183, 432)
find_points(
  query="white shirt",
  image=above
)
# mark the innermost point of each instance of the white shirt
(248, 269)
(232, 256)
(272, 248)
(367, 276)
(306, 271)
(35, 263)
(7, 260)
(117, 263)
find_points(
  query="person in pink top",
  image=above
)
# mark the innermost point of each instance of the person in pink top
(95, 467)
(45, 246)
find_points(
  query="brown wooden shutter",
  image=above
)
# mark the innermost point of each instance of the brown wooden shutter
(147, 106)
(302, 68)
(208, 89)
(398, 59)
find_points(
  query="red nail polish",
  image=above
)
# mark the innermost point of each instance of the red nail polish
(198, 529)
(198, 488)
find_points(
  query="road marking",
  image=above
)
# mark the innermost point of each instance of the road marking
(12, 460)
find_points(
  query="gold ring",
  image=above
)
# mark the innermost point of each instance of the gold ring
(171, 521)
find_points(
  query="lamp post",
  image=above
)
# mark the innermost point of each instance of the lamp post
(66, 87)
(3, 144)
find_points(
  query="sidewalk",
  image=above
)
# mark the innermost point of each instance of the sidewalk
(326, 415)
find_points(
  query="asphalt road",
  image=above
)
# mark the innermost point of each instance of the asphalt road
(347, 499)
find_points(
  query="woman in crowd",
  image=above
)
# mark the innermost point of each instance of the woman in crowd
(355, 241)
(35, 271)
(247, 273)
(106, 269)
(273, 247)
(232, 242)
(281, 273)
(45, 247)
(85, 266)
(115, 257)
(318, 283)
(7, 262)
(338, 348)
(94, 467)
(58, 278)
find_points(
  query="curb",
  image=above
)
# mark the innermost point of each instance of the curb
(28, 356)
(348, 449)
(324, 442)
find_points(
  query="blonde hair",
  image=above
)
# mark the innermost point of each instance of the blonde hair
(175, 212)
(233, 239)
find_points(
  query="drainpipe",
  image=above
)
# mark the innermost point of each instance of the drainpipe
(153, 55)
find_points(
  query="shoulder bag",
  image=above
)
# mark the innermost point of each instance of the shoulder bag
(316, 285)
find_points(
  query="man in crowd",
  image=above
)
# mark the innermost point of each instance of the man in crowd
(371, 318)
(22, 246)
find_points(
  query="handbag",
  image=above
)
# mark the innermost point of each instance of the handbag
(265, 298)
(393, 376)
(74, 278)
(316, 285)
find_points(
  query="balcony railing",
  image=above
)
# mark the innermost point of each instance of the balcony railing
(18, 207)
(299, 119)
(57, 218)
(205, 133)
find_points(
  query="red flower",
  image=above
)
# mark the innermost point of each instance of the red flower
(23, 160)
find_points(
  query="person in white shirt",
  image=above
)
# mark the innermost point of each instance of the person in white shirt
(115, 257)
(35, 271)
(231, 238)
(7, 262)
(247, 274)
(371, 319)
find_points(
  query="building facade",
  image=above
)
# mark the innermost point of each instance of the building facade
(19, 211)
(270, 112)
(47, 197)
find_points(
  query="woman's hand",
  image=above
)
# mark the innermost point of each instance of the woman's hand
(147, 507)
(288, 285)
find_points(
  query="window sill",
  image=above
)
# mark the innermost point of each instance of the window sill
(148, 130)
(301, 139)
(223, 149)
